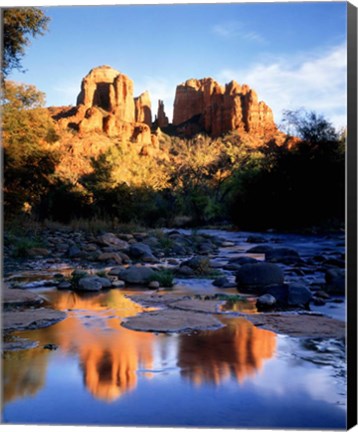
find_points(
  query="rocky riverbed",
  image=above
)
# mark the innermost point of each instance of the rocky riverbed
(286, 274)
(78, 288)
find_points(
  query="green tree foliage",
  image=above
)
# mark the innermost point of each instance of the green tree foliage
(27, 135)
(295, 187)
(18, 25)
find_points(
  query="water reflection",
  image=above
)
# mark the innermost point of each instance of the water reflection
(235, 351)
(110, 355)
(24, 373)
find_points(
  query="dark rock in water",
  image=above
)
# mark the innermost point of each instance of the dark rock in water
(74, 252)
(266, 301)
(255, 277)
(89, 284)
(200, 264)
(109, 256)
(322, 294)
(65, 285)
(292, 295)
(141, 251)
(280, 293)
(110, 239)
(231, 266)
(256, 239)
(51, 347)
(221, 281)
(261, 249)
(318, 301)
(93, 283)
(205, 248)
(298, 295)
(116, 271)
(335, 281)
(137, 275)
(337, 262)
(243, 260)
(106, 283)
(185, 270)
(283, 255)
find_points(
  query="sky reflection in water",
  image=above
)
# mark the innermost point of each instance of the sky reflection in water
(103, 373)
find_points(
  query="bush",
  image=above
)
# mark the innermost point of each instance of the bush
(164, 277)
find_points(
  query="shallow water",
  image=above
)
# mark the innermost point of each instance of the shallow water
(103, 373)
(237, 376)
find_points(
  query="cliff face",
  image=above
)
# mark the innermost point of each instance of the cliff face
(207, 106)
(161, 119)
(143, 109)
(106, 104)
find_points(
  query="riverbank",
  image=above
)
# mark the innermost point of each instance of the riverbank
(280, 275)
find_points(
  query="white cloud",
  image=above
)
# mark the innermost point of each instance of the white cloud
(236, 29)
(316, 83)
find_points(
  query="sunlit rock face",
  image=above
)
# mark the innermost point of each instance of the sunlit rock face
(143, 109)
(161, 119)
(106, 104)
(205, 105)
(237, 351)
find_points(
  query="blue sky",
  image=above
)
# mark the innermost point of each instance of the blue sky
(292, 54)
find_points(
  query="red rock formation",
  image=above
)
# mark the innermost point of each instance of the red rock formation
(106, 104)
(143, 109)
(110, 90)
(215, 109)
(162, 119)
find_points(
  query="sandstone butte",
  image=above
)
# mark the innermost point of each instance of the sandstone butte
(106, 104)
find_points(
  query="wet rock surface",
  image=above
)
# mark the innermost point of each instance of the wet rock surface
(297, 272)
(31, 318)
(171, 320)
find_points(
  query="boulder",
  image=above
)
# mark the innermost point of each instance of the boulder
(93, 283)
(200, 264)
(74, 252)
(265, 301)
(137, 275)
(298, 295)
(255, 277)
(221, 281)
(110, 239)
(256, 239)
(141, 251)
(282, 255)
(185, 270)
(242, 260)
(290, 295)
(109, 256)
(335, 281)
(260, 249)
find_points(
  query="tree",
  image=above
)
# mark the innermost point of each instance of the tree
(27, 134)
(309, 126)
(18, 25)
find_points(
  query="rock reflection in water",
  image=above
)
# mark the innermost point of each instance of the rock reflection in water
(236, 351)
(109, 354)
(24, 373)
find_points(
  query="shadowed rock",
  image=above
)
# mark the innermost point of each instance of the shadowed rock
(255, 277)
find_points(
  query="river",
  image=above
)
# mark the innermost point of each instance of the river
(237, 376)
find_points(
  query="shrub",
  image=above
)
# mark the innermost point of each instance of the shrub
(164, 277)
